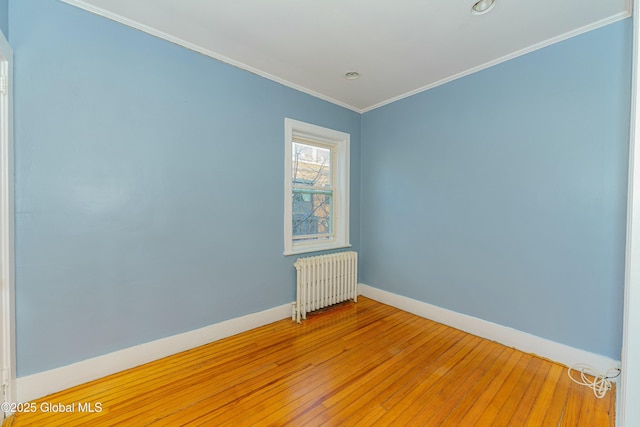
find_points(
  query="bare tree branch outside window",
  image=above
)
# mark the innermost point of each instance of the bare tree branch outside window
(312, 192)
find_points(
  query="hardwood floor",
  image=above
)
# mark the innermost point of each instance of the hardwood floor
(358, 364)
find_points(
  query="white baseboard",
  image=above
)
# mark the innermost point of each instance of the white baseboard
(510, 337)
(44, 383)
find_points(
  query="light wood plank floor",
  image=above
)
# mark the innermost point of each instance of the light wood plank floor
(358, 364)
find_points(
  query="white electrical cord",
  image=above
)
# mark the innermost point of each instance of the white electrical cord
(593, 379)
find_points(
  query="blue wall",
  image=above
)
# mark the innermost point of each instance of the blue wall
(149, 186)
(502, 195)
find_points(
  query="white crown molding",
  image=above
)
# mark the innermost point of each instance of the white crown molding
(44, 383)
(510, 337)
(537, 46)
(196, 48)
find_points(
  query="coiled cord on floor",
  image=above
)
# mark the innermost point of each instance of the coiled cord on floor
(593, 379)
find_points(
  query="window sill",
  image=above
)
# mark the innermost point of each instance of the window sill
(316, 248)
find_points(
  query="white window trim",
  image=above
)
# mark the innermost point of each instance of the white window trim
(338, 141)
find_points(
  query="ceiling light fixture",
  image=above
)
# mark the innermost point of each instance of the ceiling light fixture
(352, 75)
(482, 7)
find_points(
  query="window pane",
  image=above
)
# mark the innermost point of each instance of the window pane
(311, 165)
(312, 212)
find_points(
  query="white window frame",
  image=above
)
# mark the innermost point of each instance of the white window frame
(338, 142)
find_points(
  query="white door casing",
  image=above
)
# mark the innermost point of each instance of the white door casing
(7, 282)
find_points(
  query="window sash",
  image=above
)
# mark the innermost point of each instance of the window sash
(301, 164)
(314, 236)
(312, 190)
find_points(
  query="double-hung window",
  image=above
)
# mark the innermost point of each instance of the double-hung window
(316, 208)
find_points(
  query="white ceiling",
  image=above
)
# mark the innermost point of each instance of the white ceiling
(399, 47)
